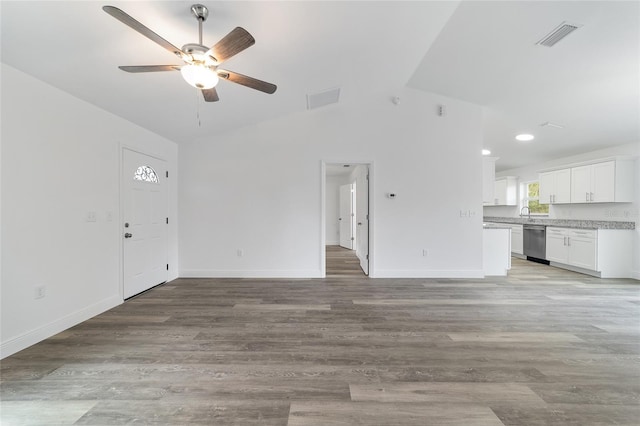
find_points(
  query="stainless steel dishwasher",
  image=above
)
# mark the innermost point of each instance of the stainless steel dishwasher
(535, 242)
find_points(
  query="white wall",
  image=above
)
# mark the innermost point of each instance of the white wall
(60, 159)
(259, 189)
(332, 207)
(625, 212)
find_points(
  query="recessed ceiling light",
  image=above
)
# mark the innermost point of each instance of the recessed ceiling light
(524, 137)
(486, 152)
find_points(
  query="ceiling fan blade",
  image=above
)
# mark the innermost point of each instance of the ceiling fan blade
(210, 95)
(128, 20)
(149, 68)
(251, 82)
(233, 43)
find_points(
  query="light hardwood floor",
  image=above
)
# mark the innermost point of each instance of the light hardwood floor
(542, 346)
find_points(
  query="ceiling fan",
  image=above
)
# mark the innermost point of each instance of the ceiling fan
(201, 63)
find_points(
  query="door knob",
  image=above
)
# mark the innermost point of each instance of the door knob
(360, 223)
(128, 235)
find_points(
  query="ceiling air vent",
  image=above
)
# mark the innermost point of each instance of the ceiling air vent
(558, 34)
(320, 99)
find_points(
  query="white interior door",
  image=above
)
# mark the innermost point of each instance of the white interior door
(362, 219)
(345, 218)
(144, 228)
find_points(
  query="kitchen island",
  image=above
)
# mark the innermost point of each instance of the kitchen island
(496, 249)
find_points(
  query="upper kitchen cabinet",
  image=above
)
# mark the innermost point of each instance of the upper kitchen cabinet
(488, 180)
(608, 180)
(555, 187)
(505, 191)
(603, 182)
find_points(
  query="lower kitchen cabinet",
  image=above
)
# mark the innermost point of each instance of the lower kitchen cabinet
(604, 252)
(517, 242)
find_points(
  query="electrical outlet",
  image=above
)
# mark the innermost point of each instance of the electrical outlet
(240, 252)
(109, 216)
(424, 252)
(39, 292)
(91, 217)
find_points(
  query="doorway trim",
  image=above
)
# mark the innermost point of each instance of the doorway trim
(323, 213)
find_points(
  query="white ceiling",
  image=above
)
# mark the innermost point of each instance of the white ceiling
(482, 52)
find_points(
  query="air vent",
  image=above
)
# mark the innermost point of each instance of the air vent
(558, 34)
(551, 124)
(320, 99)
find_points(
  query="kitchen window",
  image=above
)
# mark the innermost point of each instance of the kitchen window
(531, 193)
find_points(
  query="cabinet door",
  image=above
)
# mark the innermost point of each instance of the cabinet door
(581, 184)
(500, 192)
(557, 250)
(488, 179)
(562, 194)
(547, 183)
(603, 182)
(582, 250)
(516, 239)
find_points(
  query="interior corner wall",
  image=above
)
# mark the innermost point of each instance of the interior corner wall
(258, 190)
(60, 160)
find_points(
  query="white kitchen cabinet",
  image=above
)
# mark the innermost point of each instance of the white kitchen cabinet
(574, 247)
(556, 246)
(604, 182)
(517, 241)
(488, 179)
(606, 253)
(555, 187)
(583, 248)
(506, 191)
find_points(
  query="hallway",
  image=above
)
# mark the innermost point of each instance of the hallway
(342, 262)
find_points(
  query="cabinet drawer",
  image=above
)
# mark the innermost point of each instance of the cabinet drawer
(584, 233)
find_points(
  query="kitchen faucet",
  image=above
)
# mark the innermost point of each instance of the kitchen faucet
(528, 212)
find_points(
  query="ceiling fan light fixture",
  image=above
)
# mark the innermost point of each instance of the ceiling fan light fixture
(199, 76)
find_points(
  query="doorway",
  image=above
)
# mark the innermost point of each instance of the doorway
(346, 219)
(144, 222)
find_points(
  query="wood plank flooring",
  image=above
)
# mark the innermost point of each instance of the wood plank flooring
(542, 346)
(342, 262)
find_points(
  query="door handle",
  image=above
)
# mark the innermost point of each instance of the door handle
(359, 223)
(128, 235)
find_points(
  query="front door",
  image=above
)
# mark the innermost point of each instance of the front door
(144, 227)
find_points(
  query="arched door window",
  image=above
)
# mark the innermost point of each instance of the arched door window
(146, 174)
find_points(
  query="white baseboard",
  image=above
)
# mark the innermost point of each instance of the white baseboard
(332, 243)
(427, 273)
(635, 275)
(34, 336)
(276, 273)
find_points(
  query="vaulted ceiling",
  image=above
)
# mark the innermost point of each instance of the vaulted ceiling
(481, 52)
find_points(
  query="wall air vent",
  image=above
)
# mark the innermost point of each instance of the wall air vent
(320, 99)
(558, 34)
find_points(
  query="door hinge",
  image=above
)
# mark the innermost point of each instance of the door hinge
(167, 173)
(352, 238)
(167, 266)
(167, 221)
(367, 177)
(367, 217)
(367, 257)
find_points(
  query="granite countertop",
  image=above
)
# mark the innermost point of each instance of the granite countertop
(495, 226)
(564, 223)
